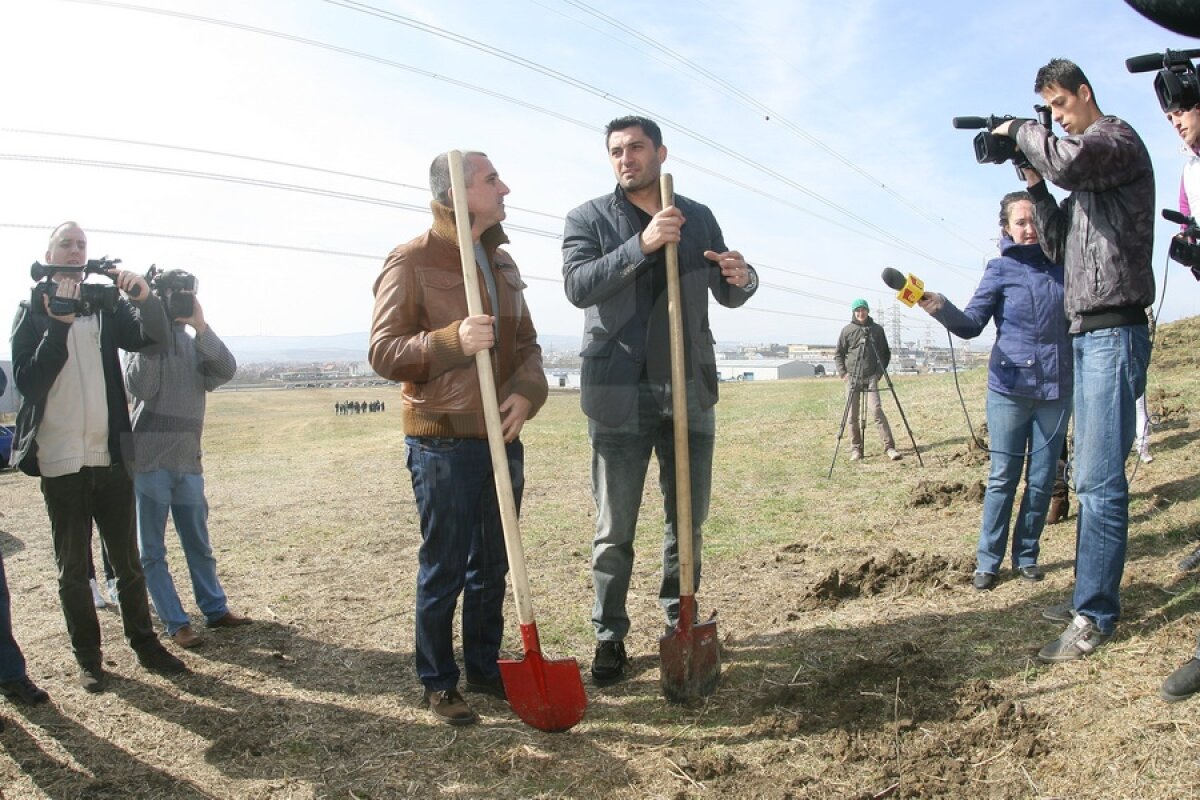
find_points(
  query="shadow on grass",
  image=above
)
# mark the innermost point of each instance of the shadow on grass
(102, 770)
(283, 652)
(10, 545)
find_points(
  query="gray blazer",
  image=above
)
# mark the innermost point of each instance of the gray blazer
(606, 274)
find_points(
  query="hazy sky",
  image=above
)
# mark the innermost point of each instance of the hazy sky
(819, 133)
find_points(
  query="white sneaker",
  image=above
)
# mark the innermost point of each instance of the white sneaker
(113, 598)
(97, 598)
(856, 455)
(894, 454)
(1146, 457)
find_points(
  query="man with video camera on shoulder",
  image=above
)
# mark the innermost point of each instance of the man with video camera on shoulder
(71, 429)
(169, 382)
(1103, 234)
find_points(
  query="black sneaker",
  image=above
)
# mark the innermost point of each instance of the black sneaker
(157, 659)
(1032, 573)
(1182, 683)
(1059, 612)
(480, 685)
(92, 677)
(610, 663)
(1079, 639)
(449, 707)
(23, 690)
(984, 581)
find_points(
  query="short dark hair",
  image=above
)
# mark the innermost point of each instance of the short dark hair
(1008, 201)
(1066, 74)
(648, 126)
(439, 174)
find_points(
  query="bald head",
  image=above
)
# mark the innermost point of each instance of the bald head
(67, 246)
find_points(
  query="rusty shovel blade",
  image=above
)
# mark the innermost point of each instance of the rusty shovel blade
(546, 694)
(690, 657)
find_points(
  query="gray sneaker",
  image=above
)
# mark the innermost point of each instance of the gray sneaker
(1059, 612)
(1079, 639)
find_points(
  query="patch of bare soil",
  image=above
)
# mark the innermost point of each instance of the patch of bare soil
(940, 494)
(898, 573)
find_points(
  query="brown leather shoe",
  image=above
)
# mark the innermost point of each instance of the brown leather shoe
(230, 620)
(1059, 508)
(450, 707)
(186, 637)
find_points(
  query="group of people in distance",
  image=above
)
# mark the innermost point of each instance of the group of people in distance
(1068, 294)
(97, 465)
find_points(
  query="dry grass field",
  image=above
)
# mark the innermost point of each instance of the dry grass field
(857, 660)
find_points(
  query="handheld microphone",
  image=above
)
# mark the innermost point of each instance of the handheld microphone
(908, 290)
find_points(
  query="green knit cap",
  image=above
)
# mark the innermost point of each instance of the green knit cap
(857, 304)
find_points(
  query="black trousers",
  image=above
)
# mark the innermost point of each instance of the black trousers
(103, 494)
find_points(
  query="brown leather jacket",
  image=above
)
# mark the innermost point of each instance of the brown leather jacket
(420, 300)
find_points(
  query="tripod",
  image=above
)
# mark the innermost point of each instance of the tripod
(858, 389)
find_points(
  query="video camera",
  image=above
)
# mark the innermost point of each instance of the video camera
(1185, 248)
(93, 297)
(993, 149)
(176, 288)
(1176, 85)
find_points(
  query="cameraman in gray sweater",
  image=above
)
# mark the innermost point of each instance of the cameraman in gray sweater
(169, 383)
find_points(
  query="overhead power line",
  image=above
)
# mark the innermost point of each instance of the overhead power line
(771, 115)
(888, 237)
(320, 251)
(541, 69)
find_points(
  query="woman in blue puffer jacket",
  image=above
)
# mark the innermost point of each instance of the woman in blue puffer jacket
(1029, 385)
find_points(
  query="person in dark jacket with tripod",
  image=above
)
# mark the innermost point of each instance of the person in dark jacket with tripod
(861, 357)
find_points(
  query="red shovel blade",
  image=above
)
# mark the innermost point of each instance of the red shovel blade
(690, 657)
(545, 694)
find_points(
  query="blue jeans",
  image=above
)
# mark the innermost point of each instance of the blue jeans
(620, 458)
(182, 494)
(12, 661)
(462, 552)
(1110, 374)
(1015, 425)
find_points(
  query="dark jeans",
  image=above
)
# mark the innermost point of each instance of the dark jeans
(462, 552)
(12, 662)
(103, 494)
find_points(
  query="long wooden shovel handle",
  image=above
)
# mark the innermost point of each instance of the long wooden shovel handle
(491, 406)
(683, 472)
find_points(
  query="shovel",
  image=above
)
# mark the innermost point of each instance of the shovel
(546, 694)
(691, 661)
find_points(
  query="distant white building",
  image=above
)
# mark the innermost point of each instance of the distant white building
(763, 369)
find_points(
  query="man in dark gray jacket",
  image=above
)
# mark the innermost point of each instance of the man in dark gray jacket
(1103, 234)
(614, 268)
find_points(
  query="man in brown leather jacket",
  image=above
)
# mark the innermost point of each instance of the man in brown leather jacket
(422, 335)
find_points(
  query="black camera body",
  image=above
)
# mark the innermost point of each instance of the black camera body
(1185, 247)
(1177, 86)
(93, 297)
(993, 149)
(176, 288)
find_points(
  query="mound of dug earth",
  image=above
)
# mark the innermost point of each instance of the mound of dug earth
(899, 572)
(933, 493)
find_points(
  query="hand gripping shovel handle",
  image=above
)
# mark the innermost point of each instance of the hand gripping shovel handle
(547, 694)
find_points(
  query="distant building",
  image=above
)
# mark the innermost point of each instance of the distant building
(763, 369)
